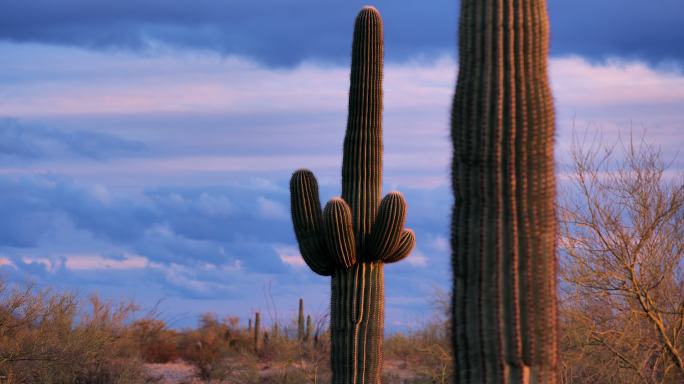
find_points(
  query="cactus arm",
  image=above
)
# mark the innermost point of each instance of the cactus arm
(406, 243)
(339, 235)
(388, 226)
(307, 220)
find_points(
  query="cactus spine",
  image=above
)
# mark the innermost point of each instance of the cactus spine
(504, 224)
(300, 321)
(356, 234)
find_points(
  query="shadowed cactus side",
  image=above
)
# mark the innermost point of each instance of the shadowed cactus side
(504, 223)
(356, 234)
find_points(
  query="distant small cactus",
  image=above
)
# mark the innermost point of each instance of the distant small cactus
(257, 332)
(300, 321)
(309, 328)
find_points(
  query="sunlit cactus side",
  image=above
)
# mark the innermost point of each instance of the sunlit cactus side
(300, 321)
(504, 222)
(356, 234)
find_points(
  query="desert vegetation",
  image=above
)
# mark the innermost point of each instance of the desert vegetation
(622, 265)
(618, 318)
(55, 337)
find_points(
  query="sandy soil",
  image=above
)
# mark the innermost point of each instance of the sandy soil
(172, 373)
(183, 373)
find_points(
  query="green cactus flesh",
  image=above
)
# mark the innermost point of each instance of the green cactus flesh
(355, 235)
(503, 223)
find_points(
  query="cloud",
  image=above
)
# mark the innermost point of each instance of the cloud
(20, 142)
(258, 121)
(290, 255)
(580, 83)
(7, 262)
(272, 32)
(270, 209)
(439, 243)
(417, 259)
(284, 34)
(88, 262)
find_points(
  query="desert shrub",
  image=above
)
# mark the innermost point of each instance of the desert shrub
(283, 358)
(316, 354)
(49, 337)
(218, 349)
(423, 355)
(157, 343)
(622, 265)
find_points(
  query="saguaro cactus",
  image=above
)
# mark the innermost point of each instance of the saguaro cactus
(504, 224)
(257, 332)
(300, 321)
(309, 328)
(355, 235)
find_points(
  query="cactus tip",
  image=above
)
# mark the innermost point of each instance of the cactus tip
(301, 171)
(369, 9)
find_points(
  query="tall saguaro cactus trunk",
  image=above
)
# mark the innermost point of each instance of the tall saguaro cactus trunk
(504, 223)
(356, 234)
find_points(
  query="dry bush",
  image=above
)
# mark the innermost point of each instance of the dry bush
(219, 349)
(48, 337)
(424, 354)
(316, 356)
(286, 359)
(156, 342)
(622, 237)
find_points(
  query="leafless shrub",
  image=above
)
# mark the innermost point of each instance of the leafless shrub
(622, 237)
(48, 337)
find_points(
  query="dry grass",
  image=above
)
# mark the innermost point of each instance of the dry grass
(48, 337)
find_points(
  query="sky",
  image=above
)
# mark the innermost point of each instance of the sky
(146, 147)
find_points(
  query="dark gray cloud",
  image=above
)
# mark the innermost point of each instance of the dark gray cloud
(20, 141)
(284, 33)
